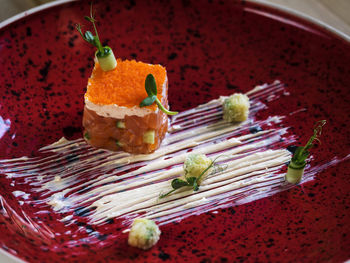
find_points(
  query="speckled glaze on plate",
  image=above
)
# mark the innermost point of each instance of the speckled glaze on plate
(210, 48)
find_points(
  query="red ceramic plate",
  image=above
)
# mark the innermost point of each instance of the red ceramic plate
(210, 48)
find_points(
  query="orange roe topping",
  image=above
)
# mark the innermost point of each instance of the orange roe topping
(125, 85)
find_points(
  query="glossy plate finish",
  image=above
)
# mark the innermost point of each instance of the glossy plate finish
(210, 48)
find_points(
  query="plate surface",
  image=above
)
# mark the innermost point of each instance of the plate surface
(210, 48)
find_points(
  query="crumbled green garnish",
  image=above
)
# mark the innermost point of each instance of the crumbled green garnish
(298, 161)
(190, 181)
(236, 108)
(144, 233)
(151, 89)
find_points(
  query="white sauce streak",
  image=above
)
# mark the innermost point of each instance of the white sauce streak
(71, 175)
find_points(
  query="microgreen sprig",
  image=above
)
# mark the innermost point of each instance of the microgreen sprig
(298, 161)
(191, 181)
(302, 152)
(89, 37)
(151, 89)
(104, 54)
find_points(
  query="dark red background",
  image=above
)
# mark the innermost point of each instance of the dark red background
(209, 48)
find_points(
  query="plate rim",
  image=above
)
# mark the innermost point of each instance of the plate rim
(10, 258)
(32, 11)
(278, 7)
(303, 16)
(5, 255)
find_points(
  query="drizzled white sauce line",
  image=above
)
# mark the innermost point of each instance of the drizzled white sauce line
(145, 199)
(72, 175)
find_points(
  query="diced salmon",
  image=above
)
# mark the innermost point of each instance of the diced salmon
(124, 86)
(102, 132)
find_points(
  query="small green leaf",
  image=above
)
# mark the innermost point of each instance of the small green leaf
(175, 184)
(89, 37)
(90, 19)
(148, 101)
(178, 183)
(191, 180)
(151, 85)
(151, 89)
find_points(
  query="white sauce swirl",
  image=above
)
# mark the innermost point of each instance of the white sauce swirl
(71, 175)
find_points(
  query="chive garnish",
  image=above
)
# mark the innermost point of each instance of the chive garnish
(151, 89)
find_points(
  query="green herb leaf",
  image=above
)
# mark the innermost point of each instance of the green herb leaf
(178, 183)
(175, 184)
(90, 19)
(148, 101)
(89, 37)
(191, 180)
(151, 89)
(151, 85)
